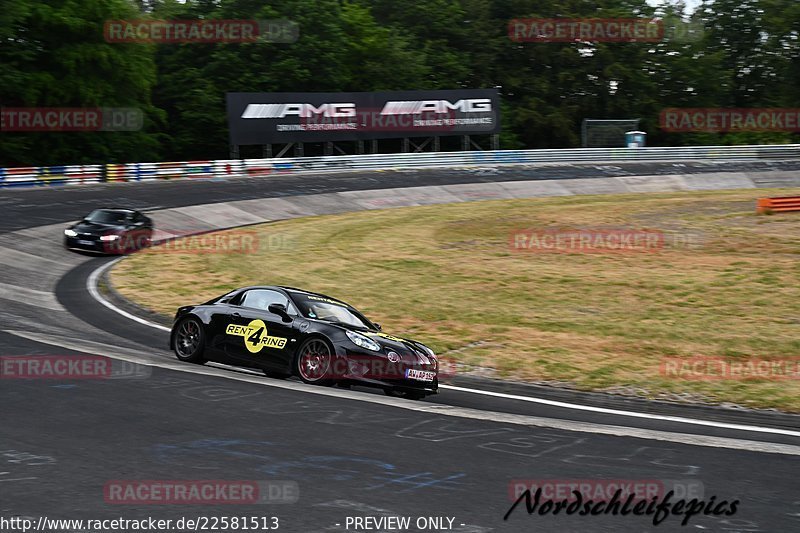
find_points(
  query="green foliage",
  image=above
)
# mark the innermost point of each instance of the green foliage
(54, 55)
(742, 53)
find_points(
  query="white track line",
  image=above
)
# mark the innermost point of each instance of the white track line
(91, 285)
(607, 411)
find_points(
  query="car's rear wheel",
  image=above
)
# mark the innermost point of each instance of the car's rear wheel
(314, 362)
(190, 341)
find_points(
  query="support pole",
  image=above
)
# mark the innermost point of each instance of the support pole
(284, 150)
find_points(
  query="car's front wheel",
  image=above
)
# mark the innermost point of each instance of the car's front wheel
(190, 341)
(314, 362)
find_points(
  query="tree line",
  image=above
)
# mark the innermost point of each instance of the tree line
(54, 54)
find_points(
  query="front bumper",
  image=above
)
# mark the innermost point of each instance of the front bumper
(87, 243)
(374, 369)
(92, 243)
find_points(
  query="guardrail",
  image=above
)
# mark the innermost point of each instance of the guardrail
(221, 169)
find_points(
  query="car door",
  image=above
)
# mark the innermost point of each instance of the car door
(219, 318)
(257, 337)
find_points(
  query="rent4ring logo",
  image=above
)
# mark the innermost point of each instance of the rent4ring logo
(255, 336)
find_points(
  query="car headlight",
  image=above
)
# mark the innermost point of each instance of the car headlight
(70, 232)
(363, 341)
(109, 237)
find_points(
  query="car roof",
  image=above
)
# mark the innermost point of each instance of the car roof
(295, 290)
(116, 209)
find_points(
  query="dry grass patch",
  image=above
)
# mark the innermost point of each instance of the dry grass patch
(727, 284)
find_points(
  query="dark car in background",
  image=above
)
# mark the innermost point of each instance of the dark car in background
(286, 331)
(110, 231)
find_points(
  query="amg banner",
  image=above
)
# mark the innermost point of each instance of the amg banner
(267, 118)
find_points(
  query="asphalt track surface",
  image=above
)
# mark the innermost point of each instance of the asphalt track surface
(350, 453)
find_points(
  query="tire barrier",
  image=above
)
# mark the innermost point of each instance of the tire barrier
(58, 175)
(235, 168)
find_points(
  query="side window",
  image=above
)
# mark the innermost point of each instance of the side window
(261, 299)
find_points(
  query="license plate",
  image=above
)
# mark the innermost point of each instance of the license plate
(90, 243)
(420, 375)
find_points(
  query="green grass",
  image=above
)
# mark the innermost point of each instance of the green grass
(445, 274)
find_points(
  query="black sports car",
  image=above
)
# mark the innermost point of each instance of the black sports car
(110, 231)
(286, 331)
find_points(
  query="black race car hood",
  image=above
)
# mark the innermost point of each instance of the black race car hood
(396, 343)
(93, 228)
(390, 341)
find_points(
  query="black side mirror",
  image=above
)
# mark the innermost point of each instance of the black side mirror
(377, 326)
(280, 310)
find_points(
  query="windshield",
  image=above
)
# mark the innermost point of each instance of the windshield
(103, 216)
(330, 310)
